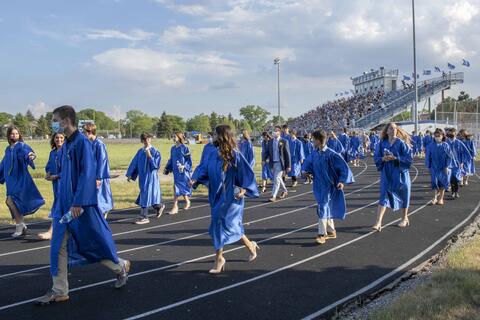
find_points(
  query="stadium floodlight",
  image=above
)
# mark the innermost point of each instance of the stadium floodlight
(414, 107)
(276, 61)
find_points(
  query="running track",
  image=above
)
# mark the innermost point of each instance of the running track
(292, 278)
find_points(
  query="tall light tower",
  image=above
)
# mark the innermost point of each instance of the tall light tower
(414, 111)
(276, 61)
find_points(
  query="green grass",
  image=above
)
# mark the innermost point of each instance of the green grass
(453, 292)
(120, 154)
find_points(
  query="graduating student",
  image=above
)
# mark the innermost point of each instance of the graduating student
(180, 163)
(421, 136)
(416, 144)
(266, 172)
(52, 170)
(144, 166)
(308, 148)
(330, 173)
(23, 197)
(87, 237)
(297, 157)
(230, 177)
(353, 152)
(393, 158)
(467, 139)
(208, 146)
(461, 156)
(427, 139)
(345, 141)
(246, 148)
(102, 169)
(373, 137)
(335, 144)
(438, 160)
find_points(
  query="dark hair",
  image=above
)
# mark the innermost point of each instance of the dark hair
(345, 130)
(277, 127)
(144, 136)
(90, 128)
(52, 139)
(266, 135)
(285, 126)
(9, 131)
(67, 112)
(320, 135)
(246, 135)
(181, 137)
(464, 133)
(226, 144)
(293, 132)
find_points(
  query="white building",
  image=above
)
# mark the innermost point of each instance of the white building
(376, 80)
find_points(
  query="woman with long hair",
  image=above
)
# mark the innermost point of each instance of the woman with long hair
(180, 163)
(438, 159)
(266, 173)
(52, 170)
(230, 178)
(354, 151)
(23, 197)
(467, 139)
(246, 148)
(393, 158)
(335, 144)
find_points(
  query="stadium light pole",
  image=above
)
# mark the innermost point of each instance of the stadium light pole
(276, 61)
(414, 111)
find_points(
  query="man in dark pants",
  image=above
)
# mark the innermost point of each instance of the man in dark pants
(277, 156)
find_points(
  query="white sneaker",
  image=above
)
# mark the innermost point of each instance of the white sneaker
(20, 230)
(142, 220)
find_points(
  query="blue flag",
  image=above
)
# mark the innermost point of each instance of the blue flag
(406, 78)
(336, 94)
(346, 92)
(437, 69)
(427, 72)
(450, 66)
(465, 63)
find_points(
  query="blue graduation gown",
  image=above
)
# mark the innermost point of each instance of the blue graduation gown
(329, 169)
(105, 198)
(426, 141)
(53, 167)
(345, 141)
(308, 148)
(266, 173)
(296, 155)
(373, 142)
(354, 146)
(181, 180)
(335, 145)
(438, 157)
(470, 163)
(20, 186)
(227, 213)
(395, 185)
(460, 155)
(416, 144)
(246, 149)
(147, 172)
(90, 236)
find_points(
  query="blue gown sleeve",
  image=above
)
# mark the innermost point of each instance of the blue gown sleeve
(188, 159)
(344, 173)
(154, 161)
(132, 171)
(50, 166)
(86, 191)
(448, 158)
(245, 177)
(200, 174)
(101, 161)
(307, 165)
(2, 173)
(404, 158)
(378, 155)
(428, 158)
(301, 152)
(26, 149)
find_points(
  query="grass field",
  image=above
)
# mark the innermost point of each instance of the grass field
(120, 154)
(453, 292)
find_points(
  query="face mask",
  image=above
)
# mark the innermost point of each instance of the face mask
(210, 140)
(56, 127)
(276, 134)
(438, 139)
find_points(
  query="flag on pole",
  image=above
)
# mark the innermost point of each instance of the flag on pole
(450, 66)
(346, 92)
(406, 78)
(465, 63)
(413, 75)
(336, 94)
(437, 69)
(427, 72)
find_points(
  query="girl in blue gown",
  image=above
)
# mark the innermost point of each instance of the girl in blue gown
(330, 174)
(335, 144)
(427, 139)
(23, 197)
(353, 152)
(52, 170)
(467, 139)
(308, 148)
(438, 159)
(230, 178)
(416, 144)
(180, 163)
(393, 158)
(461, 156)
(373, 138)
(246, 148)
(266, 173)
(145, 166)
(345, 141)
(297, 156)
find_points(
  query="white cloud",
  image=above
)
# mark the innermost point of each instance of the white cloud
(39, 108)
(132, 35)
(460, 13)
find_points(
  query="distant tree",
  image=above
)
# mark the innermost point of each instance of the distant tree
(21, 122)
(43, 127)
(214, 121)
(256, 116)
(199, 123)
(5, 120)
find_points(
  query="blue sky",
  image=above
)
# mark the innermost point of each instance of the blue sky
(187, 57)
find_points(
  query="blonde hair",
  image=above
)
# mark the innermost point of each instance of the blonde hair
(401, 134)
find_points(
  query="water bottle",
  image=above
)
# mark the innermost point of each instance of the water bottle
(179, 166)
(236, 192)
(386, 152)
(67, 217)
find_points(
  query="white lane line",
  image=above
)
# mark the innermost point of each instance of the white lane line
(191, 236)
(393, 272)
(174, 223)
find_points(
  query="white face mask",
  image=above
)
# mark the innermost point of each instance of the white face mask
(438, 139)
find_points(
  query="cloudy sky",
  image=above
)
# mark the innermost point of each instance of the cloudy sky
(187, 57)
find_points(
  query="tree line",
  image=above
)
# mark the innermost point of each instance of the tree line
(253, 118)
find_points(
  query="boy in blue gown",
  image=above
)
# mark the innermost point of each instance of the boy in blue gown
(266, 172)
(105, 198)
(345, 141)
(23, 197)
(180, 163)
(145, 166)
(308, 148)
(87, 238)
(297, 157)
(438, 159)
(330, 174)
(461, 156)
(353, 152)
